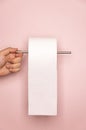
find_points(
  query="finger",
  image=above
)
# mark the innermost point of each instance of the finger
(10, 57)
(19, 54)
(14, 70)
(16, 60)
(13, 66)
(8, 50)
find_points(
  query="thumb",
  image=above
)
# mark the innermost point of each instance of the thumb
(6, 51)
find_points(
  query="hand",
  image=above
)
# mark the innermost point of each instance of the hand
(10, 61)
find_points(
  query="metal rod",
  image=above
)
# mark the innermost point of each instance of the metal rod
(63, 52)
(58, 52)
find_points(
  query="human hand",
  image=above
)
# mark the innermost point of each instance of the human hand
(10, 61)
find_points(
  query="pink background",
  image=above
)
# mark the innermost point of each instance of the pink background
(65, 20)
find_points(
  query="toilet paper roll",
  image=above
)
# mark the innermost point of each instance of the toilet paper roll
(42, 76)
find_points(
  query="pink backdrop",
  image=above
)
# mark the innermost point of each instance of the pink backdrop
(65, 20)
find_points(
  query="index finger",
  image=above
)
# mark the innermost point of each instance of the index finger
(19, 54)
(8, 50)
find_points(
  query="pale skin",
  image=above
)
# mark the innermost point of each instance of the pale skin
(10, 61)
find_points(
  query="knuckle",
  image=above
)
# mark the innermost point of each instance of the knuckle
(9, 48)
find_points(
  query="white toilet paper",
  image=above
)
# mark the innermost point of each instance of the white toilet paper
(42, 76)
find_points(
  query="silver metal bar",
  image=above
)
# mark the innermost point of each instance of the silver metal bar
(63, 52)
(58, 52)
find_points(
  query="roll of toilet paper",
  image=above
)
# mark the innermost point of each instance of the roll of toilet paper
(42, 76)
